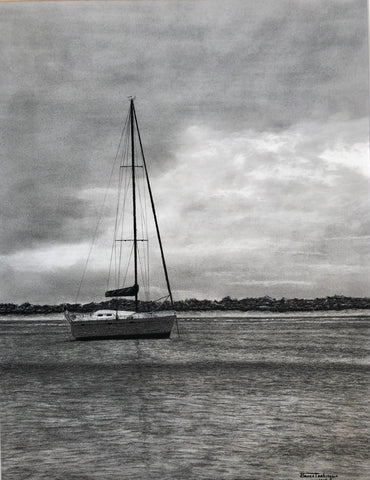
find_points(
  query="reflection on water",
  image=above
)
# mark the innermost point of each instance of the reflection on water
(231, 399)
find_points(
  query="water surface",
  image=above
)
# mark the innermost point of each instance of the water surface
(232, 398)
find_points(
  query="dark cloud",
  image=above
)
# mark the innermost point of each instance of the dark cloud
(231, 67)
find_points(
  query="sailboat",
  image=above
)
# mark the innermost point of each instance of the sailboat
(117, 323)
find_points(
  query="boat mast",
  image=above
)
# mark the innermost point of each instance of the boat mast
(153, 208)
(133, 192)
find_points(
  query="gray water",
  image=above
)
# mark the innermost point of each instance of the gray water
(233, 398)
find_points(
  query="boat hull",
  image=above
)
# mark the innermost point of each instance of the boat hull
(151, 326)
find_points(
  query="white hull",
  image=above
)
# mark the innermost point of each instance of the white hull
(141, 325)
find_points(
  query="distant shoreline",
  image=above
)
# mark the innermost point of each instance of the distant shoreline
(262, 304)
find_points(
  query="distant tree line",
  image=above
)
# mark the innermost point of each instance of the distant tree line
(337, 302)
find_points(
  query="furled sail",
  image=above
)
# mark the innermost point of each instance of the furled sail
(123, 292)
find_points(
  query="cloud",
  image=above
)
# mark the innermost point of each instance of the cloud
(254, 113)
(248, 214)
(270, 205)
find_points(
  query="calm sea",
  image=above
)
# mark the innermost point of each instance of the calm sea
(232, 398)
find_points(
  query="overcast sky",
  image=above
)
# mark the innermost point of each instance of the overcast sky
(254, 117)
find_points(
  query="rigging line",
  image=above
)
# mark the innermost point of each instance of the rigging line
(166, 296)
(143, 276)
(158, 307)
(99, 218)
(143, 199)
(116, 222)
(141, 260)
(123, 176)
(144, 231)
(114, 247)
(110, 264)
(118, 213)
(143, 266)
(113, 250)
(127, 176)
(153, 209)
(147, 236)
(145, 214)
(144, 225)
(128, 264)
(144, 228)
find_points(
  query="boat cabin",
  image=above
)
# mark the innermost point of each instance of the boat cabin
(110, 314)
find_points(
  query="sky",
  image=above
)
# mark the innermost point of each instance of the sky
(254, 119)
